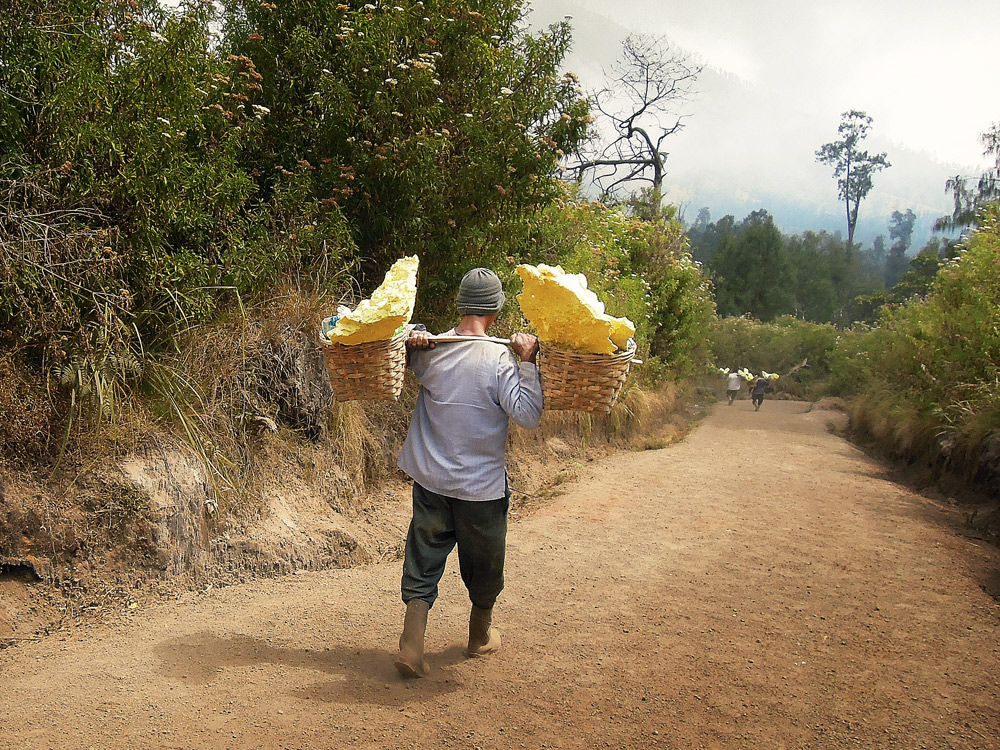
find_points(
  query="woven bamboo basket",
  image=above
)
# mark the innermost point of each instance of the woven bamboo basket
(372, 371)
(583, 382)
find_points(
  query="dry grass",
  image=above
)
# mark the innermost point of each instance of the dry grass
(27, 415)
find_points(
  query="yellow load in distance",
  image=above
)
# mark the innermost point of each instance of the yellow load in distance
(390, 306)
(567, 314)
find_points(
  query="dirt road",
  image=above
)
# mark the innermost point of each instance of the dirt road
(760, 585)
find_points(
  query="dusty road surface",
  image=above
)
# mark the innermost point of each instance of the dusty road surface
(760, 585)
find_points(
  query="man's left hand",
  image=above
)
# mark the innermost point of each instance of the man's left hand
(525, 346)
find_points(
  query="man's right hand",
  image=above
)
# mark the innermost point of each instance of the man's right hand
(420, 340)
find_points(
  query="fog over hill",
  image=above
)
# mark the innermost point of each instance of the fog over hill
(747, 146)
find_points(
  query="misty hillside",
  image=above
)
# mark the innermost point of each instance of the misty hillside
(742, 149)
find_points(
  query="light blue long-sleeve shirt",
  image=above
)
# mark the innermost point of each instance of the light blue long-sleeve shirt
(456, 444)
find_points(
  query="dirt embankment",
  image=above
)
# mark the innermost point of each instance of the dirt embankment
(111, 535)
(761, 584)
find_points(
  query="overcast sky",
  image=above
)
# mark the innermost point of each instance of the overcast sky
(925, 70)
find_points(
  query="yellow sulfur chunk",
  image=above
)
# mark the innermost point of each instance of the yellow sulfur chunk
(390, 306)
(568, 314)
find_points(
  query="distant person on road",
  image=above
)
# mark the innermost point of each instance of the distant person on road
(455, 452)
(760, 386)
(733, 384)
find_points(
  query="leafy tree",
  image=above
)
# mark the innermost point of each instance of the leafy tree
(813, 275)
(878, 250)
(970, 200)
(853, 167)
(639, 107)
(813, 257)
(150, 172)
(830, 277)
(125, 207)
(915, 278)
(703, 219)
(707, 236)
(433, 126)
(752, 271)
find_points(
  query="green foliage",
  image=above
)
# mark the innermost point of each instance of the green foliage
(815, 275)
(932, 367)
(433, 126)
(126, 208)
(900, 231)
(800, 352)
(640, 268)
(155, 176)
(158, 181)
(752, 271)
(915, 280)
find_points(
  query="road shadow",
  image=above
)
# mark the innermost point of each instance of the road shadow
(359, 675)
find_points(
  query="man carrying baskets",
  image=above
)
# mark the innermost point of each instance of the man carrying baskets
(455, 452)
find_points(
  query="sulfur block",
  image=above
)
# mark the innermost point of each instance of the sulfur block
(567, 314)
(389, 307)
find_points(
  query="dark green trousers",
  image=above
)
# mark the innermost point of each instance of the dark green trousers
(479, 528)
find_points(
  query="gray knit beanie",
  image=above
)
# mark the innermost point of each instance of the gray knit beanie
(480, 293)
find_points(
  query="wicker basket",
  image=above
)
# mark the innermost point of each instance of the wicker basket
(583, 382)
(372, 371)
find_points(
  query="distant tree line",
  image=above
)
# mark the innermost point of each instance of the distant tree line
(815, 276)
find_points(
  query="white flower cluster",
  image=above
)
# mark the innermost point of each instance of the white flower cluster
(424, 61)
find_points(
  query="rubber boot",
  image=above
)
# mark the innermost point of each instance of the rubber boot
(483, 638)
(410, 661)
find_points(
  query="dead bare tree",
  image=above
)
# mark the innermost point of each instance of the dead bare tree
(639, 108)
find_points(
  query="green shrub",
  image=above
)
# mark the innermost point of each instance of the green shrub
(155, 180)
(799, 351)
